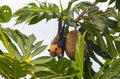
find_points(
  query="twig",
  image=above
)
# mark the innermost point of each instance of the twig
(82, 14)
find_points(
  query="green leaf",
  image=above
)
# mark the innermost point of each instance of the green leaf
(111, 1)
(21, 44)
(32, 5)
(79, 55)
(111, 24)
(15, 51)
(5, 66)
(35, 19)
(117, 4)
(110, 46)
(29, 42)
(5, 13)
(41, 60)
(110, 12)
(100, 41)
(56, 69)
(10, 32)
(39, 50)
(102, 22)
(88, 70)
(97, 49)
(87, 7)
(36, 45)
(94, 57)
(26, 44)
(117, 39)
(1, 53)
(117, 44)
(11, 68)
(12, 47)
(69, 5)
(53, 7)
(6, 42)
(101, 0)
(110, 70)
(44, 73)
(64, 68)
(33, 14)
(23, 17)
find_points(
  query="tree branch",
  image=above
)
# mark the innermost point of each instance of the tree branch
(82, 14)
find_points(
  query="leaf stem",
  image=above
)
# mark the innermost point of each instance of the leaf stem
(61, 5)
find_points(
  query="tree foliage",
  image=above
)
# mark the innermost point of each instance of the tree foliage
(98, 28)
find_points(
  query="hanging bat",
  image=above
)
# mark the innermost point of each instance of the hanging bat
(68, 43)
(58, 44)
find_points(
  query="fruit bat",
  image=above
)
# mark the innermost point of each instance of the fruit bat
(68, 43)
(58, 44)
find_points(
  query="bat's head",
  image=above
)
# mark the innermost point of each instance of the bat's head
(55, 50)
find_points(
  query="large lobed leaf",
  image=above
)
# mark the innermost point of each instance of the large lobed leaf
(14, 40)
(86, 6)
(33, 13)
(18, 62)
(60, 69)
(10, 68)
(110, 70)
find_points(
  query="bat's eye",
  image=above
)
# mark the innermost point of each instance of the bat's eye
(55, 49)
(49, 50)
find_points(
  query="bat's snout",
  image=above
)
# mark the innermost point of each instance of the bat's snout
(53, 54)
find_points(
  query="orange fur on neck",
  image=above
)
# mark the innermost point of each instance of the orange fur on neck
(58, 51)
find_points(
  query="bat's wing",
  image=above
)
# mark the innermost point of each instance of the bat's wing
(60, 35)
